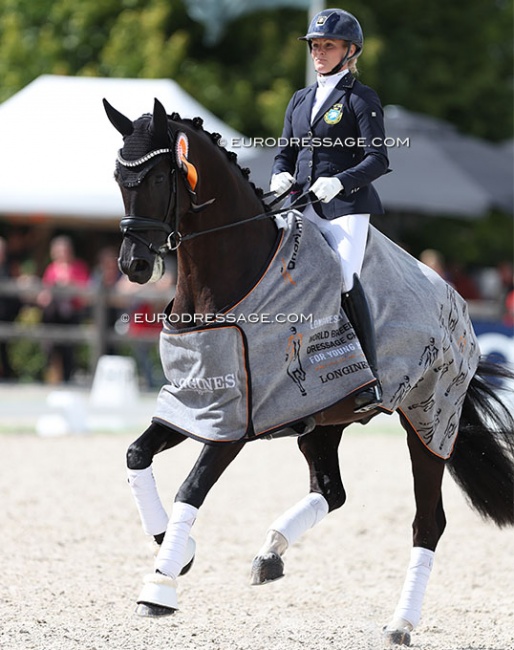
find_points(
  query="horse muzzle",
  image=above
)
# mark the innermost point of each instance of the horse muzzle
(142, 269)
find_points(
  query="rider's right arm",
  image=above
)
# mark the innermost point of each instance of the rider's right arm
(285, 160)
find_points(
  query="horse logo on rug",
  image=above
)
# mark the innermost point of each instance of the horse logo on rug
(294, 362)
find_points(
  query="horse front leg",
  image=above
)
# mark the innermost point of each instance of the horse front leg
(428, 527)
(326, 494)
(159, 594)
(140, 454)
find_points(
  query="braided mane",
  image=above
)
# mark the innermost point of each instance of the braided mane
(197, 123)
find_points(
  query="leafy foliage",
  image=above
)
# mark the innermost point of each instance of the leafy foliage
(450, 60)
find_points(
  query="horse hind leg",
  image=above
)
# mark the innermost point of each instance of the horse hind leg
(326, 494)
(428, 527)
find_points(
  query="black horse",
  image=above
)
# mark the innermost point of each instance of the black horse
(182, 191)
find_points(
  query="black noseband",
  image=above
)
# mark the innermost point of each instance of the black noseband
(131, 224)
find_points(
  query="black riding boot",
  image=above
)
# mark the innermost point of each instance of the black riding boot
(355, 305)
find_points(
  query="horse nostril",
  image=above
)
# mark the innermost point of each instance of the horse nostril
(138, 266)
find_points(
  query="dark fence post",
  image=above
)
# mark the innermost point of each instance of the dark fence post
(99, 343)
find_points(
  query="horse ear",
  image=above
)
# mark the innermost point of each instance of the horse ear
(159, 125)
(118, 120)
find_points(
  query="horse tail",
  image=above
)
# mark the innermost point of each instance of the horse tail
(482, 463)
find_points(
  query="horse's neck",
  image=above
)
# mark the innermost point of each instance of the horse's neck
(218, 269)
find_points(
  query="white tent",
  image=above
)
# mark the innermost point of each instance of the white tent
(58, 148)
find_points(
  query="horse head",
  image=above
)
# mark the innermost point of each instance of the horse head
(159, 187)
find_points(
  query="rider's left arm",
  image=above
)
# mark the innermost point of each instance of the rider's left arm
(374, 162)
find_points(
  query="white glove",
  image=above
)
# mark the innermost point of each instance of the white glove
(280, 183)
(326, 188)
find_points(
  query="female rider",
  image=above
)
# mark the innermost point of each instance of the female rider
(334, 134)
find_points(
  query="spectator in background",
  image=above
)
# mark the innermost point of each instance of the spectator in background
(496, 284)
(508, 317)
(21, 243)
(144, 319)
(453, 273)
(106, 276)
(64, 271)
(506, 273)
(9, 308)
(107, 272)
(435, 261)
(463, 282)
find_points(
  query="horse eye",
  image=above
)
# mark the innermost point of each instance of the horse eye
(159, 178)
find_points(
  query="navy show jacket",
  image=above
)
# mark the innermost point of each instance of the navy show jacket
(345, 139)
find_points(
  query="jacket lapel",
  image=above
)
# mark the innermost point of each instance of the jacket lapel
(307, 104)
(335, 97)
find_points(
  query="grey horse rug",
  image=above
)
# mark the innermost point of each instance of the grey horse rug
(286, 350)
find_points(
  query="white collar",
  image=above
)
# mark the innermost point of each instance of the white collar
(331, 80)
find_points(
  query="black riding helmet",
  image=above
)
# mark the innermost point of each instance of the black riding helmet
(338, 25)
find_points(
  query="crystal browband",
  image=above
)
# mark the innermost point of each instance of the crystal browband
(143, 159)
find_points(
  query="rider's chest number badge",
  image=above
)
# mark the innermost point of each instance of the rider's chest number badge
(334, 114)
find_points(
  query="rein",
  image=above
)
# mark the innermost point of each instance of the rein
(178, 238)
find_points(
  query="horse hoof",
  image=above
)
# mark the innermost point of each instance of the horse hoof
(150, 610)
(266, 568)
(397, 637)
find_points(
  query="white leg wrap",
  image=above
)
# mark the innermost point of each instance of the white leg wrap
(409, 606)
(172, 553)
(144, 490)
(302, 516)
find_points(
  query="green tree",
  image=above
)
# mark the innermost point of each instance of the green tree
(450, 60)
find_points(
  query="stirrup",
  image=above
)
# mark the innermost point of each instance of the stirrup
(368, 399)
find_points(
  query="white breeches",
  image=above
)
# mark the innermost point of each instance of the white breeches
(347, 236)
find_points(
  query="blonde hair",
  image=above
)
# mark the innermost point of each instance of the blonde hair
(352, 63)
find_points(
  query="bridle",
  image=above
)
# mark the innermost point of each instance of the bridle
(132, 225)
